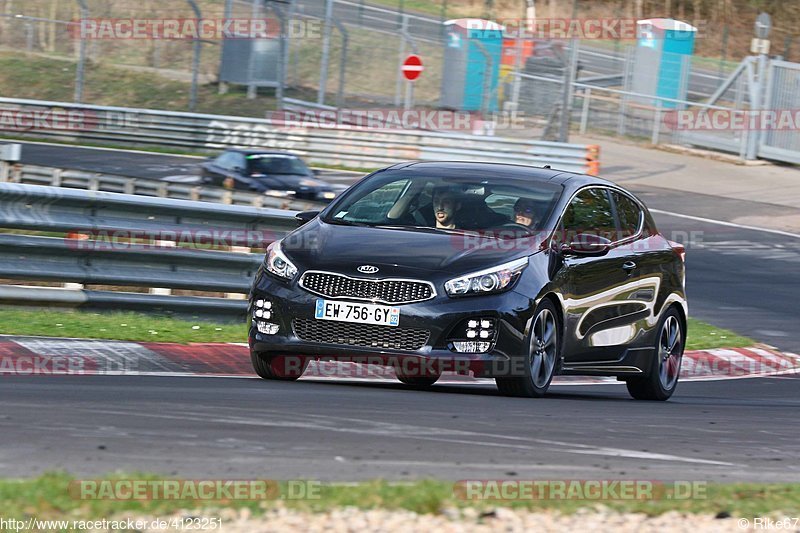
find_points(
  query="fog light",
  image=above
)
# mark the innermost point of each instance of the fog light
(259, 303)
(267, 328)
(484, 334)
(471, 333)
(486, 324)
(471, 346)
(259, 313)
(472, 324)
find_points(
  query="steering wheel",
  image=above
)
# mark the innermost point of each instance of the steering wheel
(514, 225)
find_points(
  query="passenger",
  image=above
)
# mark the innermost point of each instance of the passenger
(525, 212)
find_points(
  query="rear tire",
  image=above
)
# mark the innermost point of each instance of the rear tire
(662, 378)
(278, 367)
(539, 364)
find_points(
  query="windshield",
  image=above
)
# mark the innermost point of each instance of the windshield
(447, 204)
(275, 164)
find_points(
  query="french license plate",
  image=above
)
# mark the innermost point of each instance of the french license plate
(381, 315)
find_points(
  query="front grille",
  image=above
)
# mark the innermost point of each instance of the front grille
(366, 335)
(390, 291)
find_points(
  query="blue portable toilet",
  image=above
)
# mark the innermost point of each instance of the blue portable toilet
(663, 49)
(472, 55)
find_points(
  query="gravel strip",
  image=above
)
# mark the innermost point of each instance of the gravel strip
(350, 519)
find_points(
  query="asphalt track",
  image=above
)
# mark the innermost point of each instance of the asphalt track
(743, 429)
(728, 430)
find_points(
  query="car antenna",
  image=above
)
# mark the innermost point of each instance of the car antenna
(546, 166)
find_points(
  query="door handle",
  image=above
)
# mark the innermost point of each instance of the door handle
(628, 265)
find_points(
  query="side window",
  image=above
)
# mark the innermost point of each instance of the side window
(629, 213)
(590, 213)
(225, 161)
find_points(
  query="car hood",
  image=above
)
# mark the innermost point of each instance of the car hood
(397, 252)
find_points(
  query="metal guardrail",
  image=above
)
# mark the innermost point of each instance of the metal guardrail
(94, 181)
(138, 242)
(340, 146)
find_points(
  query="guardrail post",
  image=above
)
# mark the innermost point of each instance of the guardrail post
(587, 97)
(162, 190)
(227, 197)
(55, 180)
(194, 193)
(16, 174)
(656, 123)
(4, 171)
(130, 186)
(94, 184)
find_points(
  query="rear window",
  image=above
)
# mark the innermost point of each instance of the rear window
(629, 213)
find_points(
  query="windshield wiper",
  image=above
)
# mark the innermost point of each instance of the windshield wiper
(424, 228)
(341, 222)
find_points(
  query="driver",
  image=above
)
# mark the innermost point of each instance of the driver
(446, 203)
(525, 212)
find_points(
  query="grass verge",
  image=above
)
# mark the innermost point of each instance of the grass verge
(49, 496)
(141, 327)
(117, 326)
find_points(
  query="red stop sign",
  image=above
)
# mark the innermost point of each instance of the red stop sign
(412, 67)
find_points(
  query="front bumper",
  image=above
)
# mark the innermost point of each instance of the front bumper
(441, 316)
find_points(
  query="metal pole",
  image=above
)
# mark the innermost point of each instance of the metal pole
(656, 123)
(569, 79)
(758, 98)
(587, 98)
(443, 17)
(282, 59)
(79, 71)
(342, 62)
(401, 11)
(326, 51)
(398, 87)
(195, 57)
(252, 89)
(566, 97)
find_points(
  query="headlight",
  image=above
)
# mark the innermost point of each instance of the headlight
(279, 194)
(277, 263)
(487, 281)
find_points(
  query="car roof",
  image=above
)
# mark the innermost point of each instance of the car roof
(254, 151)
(570, 180)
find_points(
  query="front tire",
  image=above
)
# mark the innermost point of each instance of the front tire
(278, 367)
(662, 380)
(540, 362)
(419, 381)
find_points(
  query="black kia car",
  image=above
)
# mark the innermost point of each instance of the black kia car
(504, 271)
(273, 173)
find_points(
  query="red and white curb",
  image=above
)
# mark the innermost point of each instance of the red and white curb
(21, 355)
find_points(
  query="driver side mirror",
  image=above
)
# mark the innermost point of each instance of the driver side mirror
(304, 217)
(586, 244)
